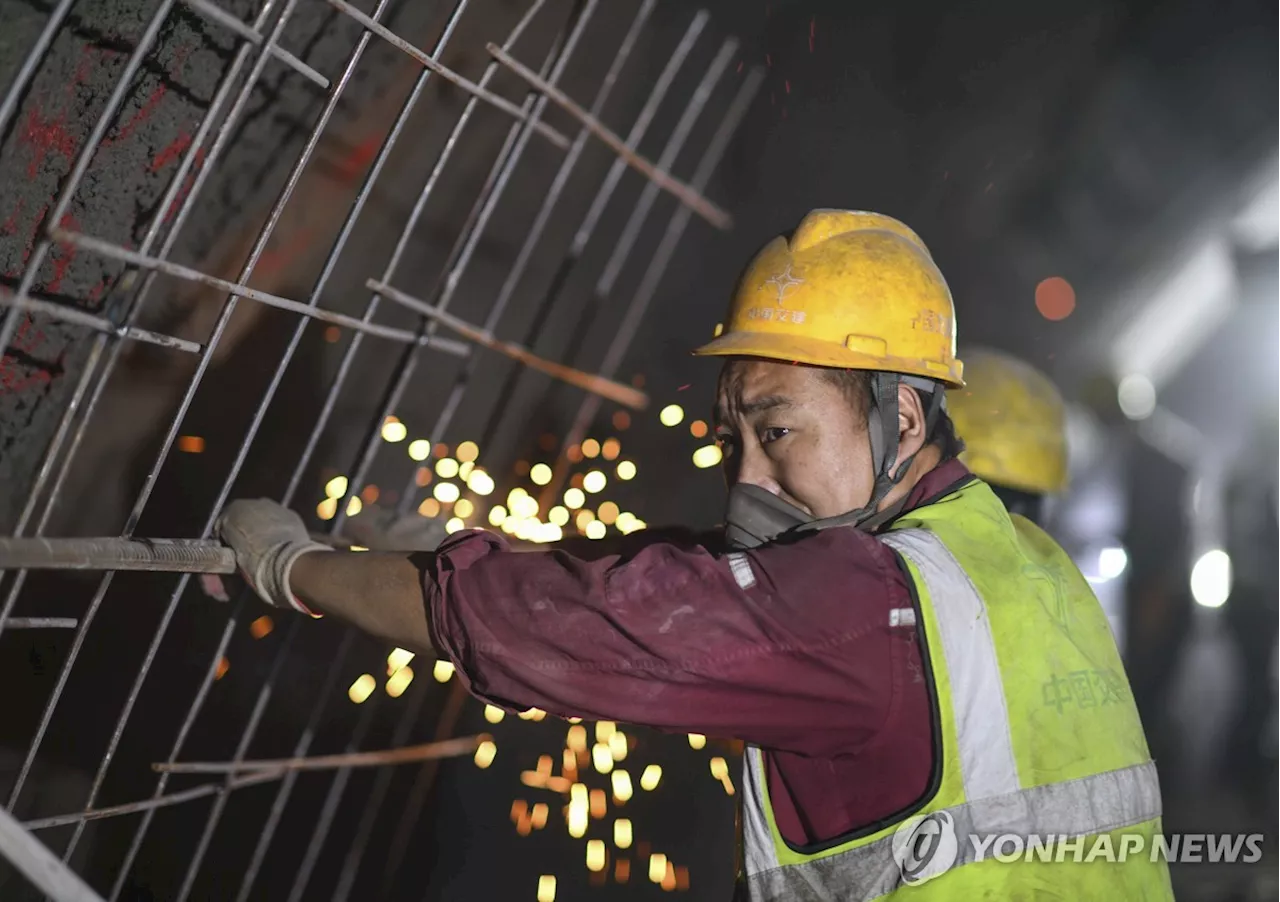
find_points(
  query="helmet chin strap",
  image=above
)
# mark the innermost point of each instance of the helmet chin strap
(757, 516)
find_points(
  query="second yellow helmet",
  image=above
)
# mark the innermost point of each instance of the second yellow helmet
(1013, 423)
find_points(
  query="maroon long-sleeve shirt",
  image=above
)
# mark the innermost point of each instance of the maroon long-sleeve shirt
(809, 662)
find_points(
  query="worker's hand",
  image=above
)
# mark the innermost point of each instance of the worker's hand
(267, 538)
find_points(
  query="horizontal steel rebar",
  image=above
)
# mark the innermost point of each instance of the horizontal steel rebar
(164, 801)
(605, 388)
(227, 20)
(450, 748)
(551, 134)
(97, 323)
(114, 251)
(686, 194)
(159, 555)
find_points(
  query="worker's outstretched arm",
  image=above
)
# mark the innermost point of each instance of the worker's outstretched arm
(378, 591)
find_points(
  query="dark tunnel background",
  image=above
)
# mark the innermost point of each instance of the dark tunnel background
(1128, 148)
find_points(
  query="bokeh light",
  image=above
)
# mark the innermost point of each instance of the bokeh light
(393, 430)
(1055, 298)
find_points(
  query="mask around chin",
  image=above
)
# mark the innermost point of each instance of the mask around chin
(757, 516)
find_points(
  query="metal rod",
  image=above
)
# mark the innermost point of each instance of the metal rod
(180, 208)
(514, 276)
(431, 63)
(330, 808)
(605, 388)
(259, 245)
(573, 256)
(415, 801)
(327, 269)
(176, 798)
(145, 261)
(670, 153)
(377, 796)
(684, 193)
(72, 182)
(517, 139)
(402, 244)
(626, 241)
(657, 267)
(460, 254)
(535, 233)
(20, 81)
(251, 34)
(300, 749)
(170, 436)
(97, 323)
(156, 555)
(242, 745)
(401, 247)
(450, 748)
(34, 861)
(43, 623)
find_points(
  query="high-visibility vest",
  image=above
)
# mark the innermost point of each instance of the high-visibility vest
(1036, 733)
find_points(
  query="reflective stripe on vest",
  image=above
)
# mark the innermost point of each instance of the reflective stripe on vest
(994, 803)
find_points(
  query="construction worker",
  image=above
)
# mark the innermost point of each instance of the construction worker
(1013, 423)
(921, 682)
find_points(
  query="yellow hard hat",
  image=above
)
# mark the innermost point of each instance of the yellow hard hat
(1013, 422)
(850, 289)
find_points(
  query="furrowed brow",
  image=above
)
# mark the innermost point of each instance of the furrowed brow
(762, 404)
(724, 414)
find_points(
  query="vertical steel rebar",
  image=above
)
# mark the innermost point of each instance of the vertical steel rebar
(330, 807)
(517, 140)
(140, 503)
(264, 54)
(630, 234)
(259, 246)
(456, 265)
(181, 207)
(321, 282)
(653, 274)
(567, 166)
(260, 43)
(339, 380)
(72, 184)
(535, 234)
(573, 256)
(11, 98)
(286, 785)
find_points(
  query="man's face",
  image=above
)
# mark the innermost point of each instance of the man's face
(791, 431)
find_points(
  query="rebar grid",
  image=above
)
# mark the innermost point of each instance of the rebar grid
(260, 45)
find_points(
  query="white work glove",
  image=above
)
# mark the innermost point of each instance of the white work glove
(267, 538)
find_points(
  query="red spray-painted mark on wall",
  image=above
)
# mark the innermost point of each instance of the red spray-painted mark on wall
(62, 255)
(46, 133)
(10, 226)
(45, 136)
(358, 160)
(171, 151)
(274, 259)
(186, 188)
